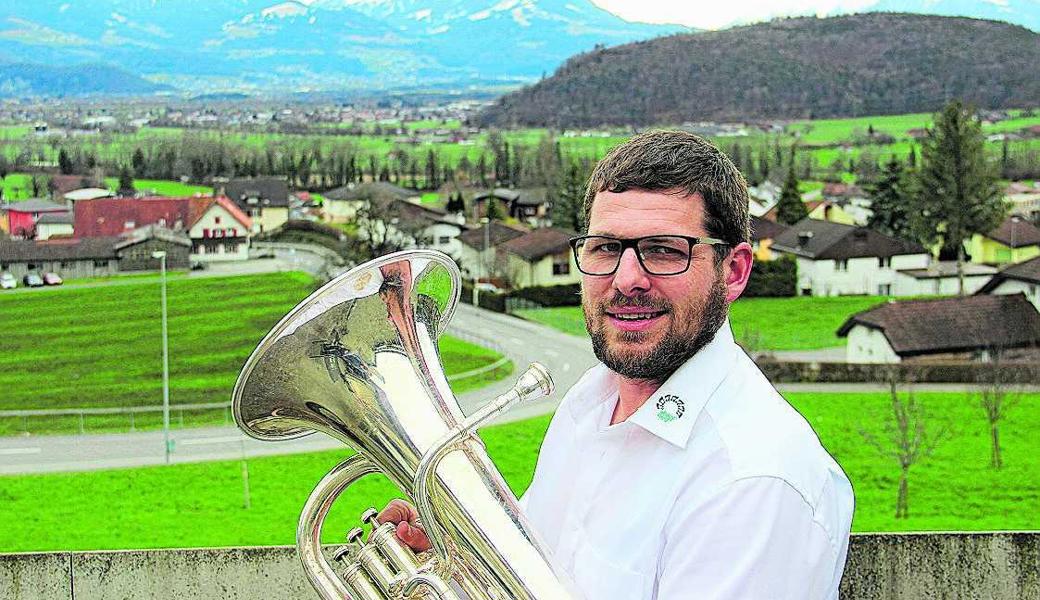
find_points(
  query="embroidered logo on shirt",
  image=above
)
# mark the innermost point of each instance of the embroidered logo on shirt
(669, 408)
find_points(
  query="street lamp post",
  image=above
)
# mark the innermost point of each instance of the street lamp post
(483, 260)
(161, 255)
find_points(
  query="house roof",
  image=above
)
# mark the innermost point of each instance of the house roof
(764, 229)
(34, 205)
(948, 268)
(960, 324)
(417, 213)
(56, 218)
(58, 249)
(1016, 232)
(89, 193)
(522, 197)
(272, 191)
(1028, 271)
(844, 190)
(62, 184)
(149, 232)
(539, 243)
(110, 216)
(497, 233)
(365, 191)
(824, 240)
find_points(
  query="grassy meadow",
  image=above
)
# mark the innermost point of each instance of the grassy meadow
(201, 504)
(101, 346)
(798, 323)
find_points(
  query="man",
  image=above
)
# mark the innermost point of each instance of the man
(674, 469)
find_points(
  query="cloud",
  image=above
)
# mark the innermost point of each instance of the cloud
(712, 15)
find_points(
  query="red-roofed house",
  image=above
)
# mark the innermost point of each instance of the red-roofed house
(218, 229)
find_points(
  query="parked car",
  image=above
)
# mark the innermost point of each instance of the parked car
(32, 280)
(51, 279)
(7, 281)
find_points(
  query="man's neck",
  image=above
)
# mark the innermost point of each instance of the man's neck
(632, 393)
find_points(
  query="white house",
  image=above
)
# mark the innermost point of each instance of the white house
(959, 328)
(477, 257)
(264, 199)
(940, 278)
(220, 233)
(342, 204)
(1020, 278)
(835, 259)
(541, 257)
(402, 223)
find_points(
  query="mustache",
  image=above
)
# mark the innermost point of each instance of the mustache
(641, 301)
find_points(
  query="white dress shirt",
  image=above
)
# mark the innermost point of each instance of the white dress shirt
(716, 488)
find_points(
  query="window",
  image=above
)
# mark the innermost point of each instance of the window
(101, 264)
(444, 239)
(128, 225)
(841, 265)
(884, 262)
(216, 220)
(561, 264)
(885, 289)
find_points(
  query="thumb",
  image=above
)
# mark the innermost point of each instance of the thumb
(414, 537)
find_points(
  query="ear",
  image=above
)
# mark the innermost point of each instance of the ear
(736, 269)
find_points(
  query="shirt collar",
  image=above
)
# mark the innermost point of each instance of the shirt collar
(670, 412)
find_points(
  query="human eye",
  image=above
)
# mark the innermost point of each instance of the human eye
(665, 248)
(604, 246)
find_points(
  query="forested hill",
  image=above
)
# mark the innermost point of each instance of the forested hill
(870, 64)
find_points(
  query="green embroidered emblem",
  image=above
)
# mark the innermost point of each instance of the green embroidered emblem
(665, 416)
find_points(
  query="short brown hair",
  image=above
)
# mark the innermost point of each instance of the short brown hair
(686, 163)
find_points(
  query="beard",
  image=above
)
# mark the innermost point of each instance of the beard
(659, 362)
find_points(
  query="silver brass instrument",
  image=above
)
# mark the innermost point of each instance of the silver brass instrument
(358, 360)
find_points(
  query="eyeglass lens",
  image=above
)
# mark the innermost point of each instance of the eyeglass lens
(660, 255)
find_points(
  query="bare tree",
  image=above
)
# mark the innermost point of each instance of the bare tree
(997, 394)
(383, 227)
(905, 439)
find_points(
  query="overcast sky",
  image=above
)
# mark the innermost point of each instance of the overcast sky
(709, 14)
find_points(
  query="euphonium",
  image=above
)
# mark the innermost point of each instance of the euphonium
(358, 360)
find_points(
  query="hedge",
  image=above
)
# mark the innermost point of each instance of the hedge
(978, 373)
(773, 278)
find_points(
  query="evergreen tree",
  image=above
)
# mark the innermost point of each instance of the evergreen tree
(957, 191)
(890, 202)
(494, 210)
(566, 211)
(65, 163)
(789, 208)
(126, 183)
(911, 159)
(137, 162)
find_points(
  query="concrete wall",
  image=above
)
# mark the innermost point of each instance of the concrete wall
(995, 566)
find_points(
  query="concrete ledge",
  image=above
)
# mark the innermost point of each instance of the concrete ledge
(996, 566)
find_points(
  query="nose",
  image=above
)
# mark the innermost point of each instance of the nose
(630, 278)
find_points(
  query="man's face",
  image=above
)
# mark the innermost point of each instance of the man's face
(645, 326)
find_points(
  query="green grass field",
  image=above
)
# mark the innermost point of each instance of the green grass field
(798, 323)
(195, 505)
(101, 346)
(159, 187)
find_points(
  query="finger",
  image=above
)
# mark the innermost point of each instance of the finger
(397, 511)
(413, 536)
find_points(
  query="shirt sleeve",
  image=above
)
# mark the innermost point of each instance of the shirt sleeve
(756, 538)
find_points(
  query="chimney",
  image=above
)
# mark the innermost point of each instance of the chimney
(804, 237)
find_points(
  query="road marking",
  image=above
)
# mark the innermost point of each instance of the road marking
(212, 440)
(6, 451)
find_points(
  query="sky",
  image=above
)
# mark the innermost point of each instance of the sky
(713, 14)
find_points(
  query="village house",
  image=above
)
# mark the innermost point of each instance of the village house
(264, 199)
(540, 257)
(18, 219)
(1014, 240)
(399, 223)
(526, 205)
(1019, 278)
(477, 257)
(217, 228)
(834, 259)
(763, 232)
(341, 205)
(55, 224)
(940, 278)
(96, 256)
(1024, 200)
(949, 329)
(820, 210)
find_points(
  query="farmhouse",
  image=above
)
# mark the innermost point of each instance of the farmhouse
(218, 229)
(54, 224)
(540, 257)
(264, 199)
(342, 204)
(400, 223)
(97, 256)
(527, 205)
(940, 278)
(835, 259)
(950, 329)
(19, 218)
(1020, 278)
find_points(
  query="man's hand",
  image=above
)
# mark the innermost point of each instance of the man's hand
(406, 518)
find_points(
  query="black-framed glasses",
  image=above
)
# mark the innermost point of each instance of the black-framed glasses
(657, 254)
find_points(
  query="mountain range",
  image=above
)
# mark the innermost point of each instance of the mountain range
(204, 46)
(868, 64)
